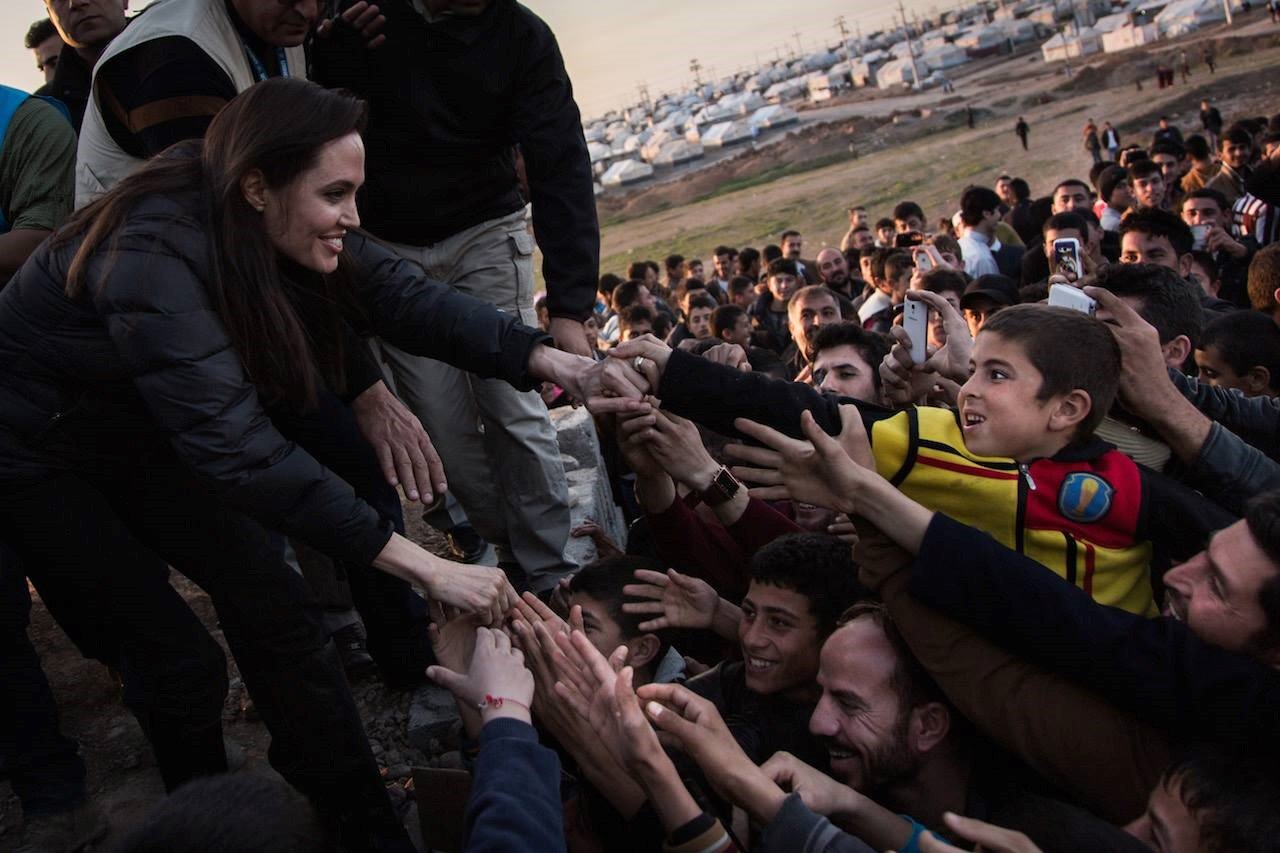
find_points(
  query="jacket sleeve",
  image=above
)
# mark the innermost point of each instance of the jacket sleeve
(515, 795)
(1254, 419)
(797, 828)
(363, 370)
(427, 318)
(548, 128)
(714, 395)
(1179, 520)
(1110, 766)
(193, 384)
(1230, 471)
(1154, 668)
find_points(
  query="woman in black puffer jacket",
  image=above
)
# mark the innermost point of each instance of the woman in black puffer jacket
(141, 349)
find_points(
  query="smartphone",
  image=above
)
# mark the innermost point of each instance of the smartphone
(915, 320)
(924, 263)
(1199, 235)
(1066, 258)
(907, 239)
(1066, 296)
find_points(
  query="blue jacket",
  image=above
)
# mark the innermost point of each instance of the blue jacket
(515, 795)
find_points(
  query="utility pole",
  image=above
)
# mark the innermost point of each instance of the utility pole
(911, 47)
(844, 40)
(644, 98)
(799, 46)
(696, 67)
(1226, 7)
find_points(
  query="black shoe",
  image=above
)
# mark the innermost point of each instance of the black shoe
(465, 545)
(353, 652)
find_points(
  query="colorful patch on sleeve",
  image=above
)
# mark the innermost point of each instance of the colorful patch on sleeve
(1085, 497)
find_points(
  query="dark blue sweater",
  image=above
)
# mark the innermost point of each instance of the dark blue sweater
(515, 795)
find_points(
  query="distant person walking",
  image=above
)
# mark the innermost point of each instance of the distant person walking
(1211, 121)
(968, 116)
(1206, 52)
(1092, 143)
(1022, 129)
(1111, 141)
(1184, 65)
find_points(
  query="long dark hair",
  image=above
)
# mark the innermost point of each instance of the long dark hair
(277, 127)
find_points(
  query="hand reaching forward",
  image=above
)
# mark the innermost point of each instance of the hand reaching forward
(820, 792)
(816, 471)
(496, 683)
(405, 452)
(675, 600)
(988, 837)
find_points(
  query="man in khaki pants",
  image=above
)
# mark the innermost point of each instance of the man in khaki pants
(459, 91)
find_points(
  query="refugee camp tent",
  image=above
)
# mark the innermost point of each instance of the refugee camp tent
(1183, 16)
(773, 116)
(677, 151)
(1071, 45)
(727, 133)
(626, 172)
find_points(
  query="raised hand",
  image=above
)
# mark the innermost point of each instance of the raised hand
(675, 600)
(483, 590)
(815, 471)
(645, 353)
(363, 18)
(987, 836)
(496, 683)
(820, 792)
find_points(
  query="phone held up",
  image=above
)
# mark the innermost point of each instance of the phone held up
(907, 239)
(915, 321)
(1066, 296)
(1066, 258)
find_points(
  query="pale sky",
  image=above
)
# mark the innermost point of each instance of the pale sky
(612, 46)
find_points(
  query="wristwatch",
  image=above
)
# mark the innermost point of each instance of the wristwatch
(723, 487)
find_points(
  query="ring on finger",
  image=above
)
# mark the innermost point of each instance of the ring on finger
(638, 363)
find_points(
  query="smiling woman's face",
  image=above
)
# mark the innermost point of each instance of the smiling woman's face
(307, 220)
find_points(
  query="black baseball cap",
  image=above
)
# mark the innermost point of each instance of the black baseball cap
(997, 288)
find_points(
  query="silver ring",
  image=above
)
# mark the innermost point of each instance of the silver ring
(638, 363)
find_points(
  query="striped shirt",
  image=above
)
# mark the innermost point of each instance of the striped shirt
(1253, 217)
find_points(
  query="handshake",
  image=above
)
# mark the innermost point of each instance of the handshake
(616, 385)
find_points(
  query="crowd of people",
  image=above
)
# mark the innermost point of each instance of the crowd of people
(965, 533)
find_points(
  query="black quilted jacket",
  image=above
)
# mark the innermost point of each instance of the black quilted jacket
(144, 359)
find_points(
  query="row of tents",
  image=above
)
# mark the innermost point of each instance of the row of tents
(1142, 22)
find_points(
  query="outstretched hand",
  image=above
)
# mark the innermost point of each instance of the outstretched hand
(672, 600)
(496, 682)
(815, 471)
(405, 453)
(366, 19)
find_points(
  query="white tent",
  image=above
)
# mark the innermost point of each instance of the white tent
(897, 72)
(983, 41)
(626, 172)
(598, 151)
(744, 103)
(774, 116)
(787, 90)
(659, 138)
(1129, 36)
(1183, 16)
(1082, 43)
(728, 133)
(677, 151)
(943, 57)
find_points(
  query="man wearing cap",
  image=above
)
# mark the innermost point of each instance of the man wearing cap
(1113, 186)
(985, 296)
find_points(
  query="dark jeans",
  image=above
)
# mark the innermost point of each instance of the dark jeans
(41, 763)
(395, 617)
(90, 543)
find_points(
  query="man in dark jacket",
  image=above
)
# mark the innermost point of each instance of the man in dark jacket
(459, 87)
(87, 28)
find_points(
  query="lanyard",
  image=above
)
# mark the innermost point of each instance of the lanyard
(260, 70)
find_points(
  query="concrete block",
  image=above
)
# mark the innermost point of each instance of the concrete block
(589, 494)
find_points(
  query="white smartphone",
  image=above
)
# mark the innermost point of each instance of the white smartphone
(1066, 258)
(915, 320)
(1066, 296)
(924, 263)
(1199, 234)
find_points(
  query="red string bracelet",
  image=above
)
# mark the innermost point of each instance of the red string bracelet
(496, 702)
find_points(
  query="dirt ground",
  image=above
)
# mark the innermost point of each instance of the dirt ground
(870, 160)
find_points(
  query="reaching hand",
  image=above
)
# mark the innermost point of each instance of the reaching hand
(483, 590)
(632, 437)
(605, 547)
(496, 682)
(816, 471)
(570, 336)
(599, 691)
(987, 837)
(677, 446)
(653, 352)
(820, 792)
(1144, 378)
(405, 453)
(680, 601)
(730, 355)
(453, 635)
(696, 725)
(903, 380)
(364, 18)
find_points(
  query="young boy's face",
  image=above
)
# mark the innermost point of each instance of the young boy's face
(636, 330)
(999, 412)
(1214, 370)
(700, 323)
(782, 286)
(779, 638)
(603, 631)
